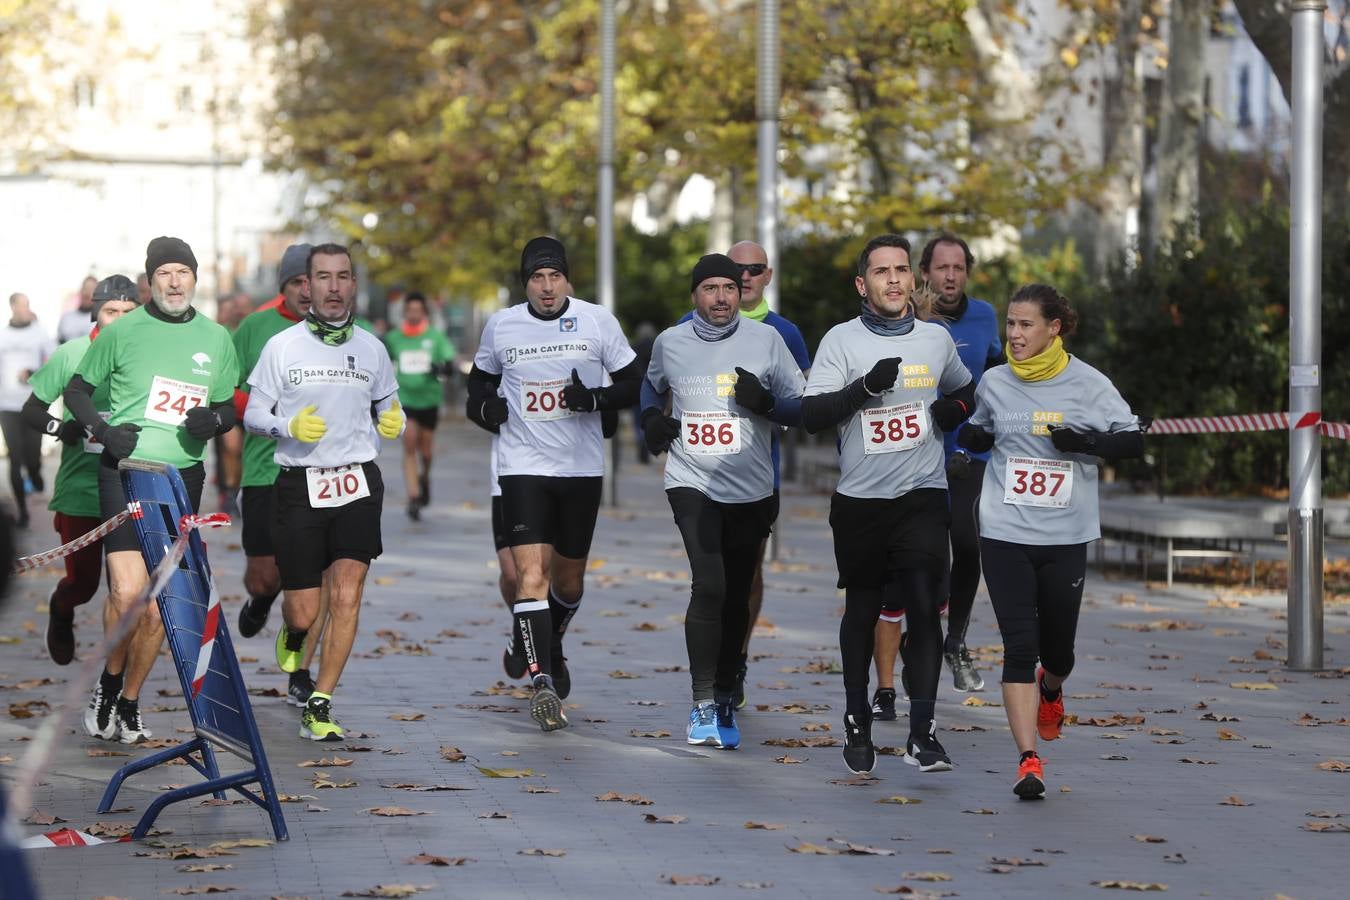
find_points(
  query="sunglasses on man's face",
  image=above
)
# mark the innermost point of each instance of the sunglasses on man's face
(754, 269)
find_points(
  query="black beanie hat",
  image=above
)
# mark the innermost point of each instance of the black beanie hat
(542, 253)
(714, 265)
(114, 287)
(164, 250)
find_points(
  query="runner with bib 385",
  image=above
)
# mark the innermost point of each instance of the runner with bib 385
(325, 391)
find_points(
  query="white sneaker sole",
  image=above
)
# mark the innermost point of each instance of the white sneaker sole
(703, 742)
(940, 766)
(91, 727)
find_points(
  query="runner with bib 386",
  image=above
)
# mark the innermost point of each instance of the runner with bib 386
(325, 391)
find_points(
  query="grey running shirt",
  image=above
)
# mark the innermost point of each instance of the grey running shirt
(723, 449)
(891, 446)
(1034, 494)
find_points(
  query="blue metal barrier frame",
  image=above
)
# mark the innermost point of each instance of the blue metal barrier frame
(251, 748)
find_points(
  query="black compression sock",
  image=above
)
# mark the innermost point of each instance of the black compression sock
(562, 612)
(111, 684)
(1051, 696)
(921, 716)
(1027, 755)
(536, 633)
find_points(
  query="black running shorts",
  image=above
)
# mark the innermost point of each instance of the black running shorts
(542, 509)
(308, 540)
(256, 508)
(499, 541)
(424, 416)
(875, 537)
(112, 500)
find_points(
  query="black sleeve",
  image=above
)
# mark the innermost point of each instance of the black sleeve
(992, 361)
(1119, 445)
(225, 410)
(79, 397)
(624, 392)
(822, 411)
(36, 417)
(481, 387)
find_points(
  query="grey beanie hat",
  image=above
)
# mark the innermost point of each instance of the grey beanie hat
(114, 287)
(294, 262)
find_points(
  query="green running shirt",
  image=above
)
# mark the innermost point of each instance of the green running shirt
(414, 357)
(260, 470)
(76, 490)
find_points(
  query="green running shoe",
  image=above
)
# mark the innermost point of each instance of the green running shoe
(316, 722)
(290, 649)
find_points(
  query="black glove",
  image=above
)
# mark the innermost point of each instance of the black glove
(202, 422)
(495, 411)
(883, 375)
(119, 440)
(975, 438)
(958, 466)
(70, 433)
(658, 431)
(751, 393)
(948, 413)
(1066, 440)
(578, 397)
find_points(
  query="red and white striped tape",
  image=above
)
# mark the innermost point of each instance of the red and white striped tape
(1251, 422)
(37, 560)
(212, 626)
(66, 837)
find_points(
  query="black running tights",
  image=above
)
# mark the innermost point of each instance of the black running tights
(25, 452)
(1037, 592)
(964, 578)
(722, 542)
(916, 591)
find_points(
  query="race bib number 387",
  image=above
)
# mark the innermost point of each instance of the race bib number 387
(1029, 481)
(894, 428)
(170, 400)
(336, 487)
(711, 433)
(542, 401)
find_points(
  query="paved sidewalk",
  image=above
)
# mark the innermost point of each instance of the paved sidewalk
(1181, 699)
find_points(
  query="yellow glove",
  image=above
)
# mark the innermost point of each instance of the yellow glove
(391, 422)
(307, 425)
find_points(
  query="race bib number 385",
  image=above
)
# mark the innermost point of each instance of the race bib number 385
(336, 487)
(542, 401)
(1029, 481)
(711, 433)
(894, 428)
(170, 400)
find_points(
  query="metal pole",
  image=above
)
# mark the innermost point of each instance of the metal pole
(766, 113)
(605, 217)
(1305, 340)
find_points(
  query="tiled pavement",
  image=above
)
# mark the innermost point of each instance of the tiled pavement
(430, 644)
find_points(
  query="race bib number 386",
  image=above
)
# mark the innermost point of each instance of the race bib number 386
(894, 428)
(336, 487)
(711, 433)
(170, 400)
(542, 401)
(1029, 481)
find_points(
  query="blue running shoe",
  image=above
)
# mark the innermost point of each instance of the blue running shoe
(703, 724)
(727, 731)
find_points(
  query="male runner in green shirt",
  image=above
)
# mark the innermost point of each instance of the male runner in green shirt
(421, 355)
(170, 375)
(75, 494)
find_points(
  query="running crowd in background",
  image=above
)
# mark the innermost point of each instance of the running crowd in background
(962, 451)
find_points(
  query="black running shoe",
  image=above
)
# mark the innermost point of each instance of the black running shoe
(60, 636)
(424, 489)
(883, 705)
(859, 754)
(299, 687)
(545, 705)
(414, 511)
(562, 679)
(925, 752)
(738, 692)
(253, 616)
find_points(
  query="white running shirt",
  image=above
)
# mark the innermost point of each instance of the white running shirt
(535, 358)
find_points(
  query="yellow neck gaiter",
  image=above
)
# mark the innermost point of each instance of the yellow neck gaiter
(759, 312)
(1041, 367)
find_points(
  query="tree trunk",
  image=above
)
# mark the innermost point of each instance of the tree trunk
(1268, 25)
(1122, 143)
(1182, 123)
